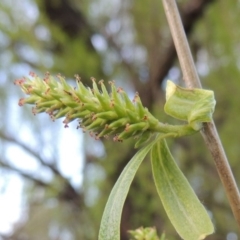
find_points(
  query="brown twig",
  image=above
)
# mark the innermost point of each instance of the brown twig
(209, 132)
(28, 176)
(32, 152)
(66, 193)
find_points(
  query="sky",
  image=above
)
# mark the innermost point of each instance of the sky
(10, 201)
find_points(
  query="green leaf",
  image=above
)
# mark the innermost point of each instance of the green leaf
(183, 208)
(110, 224)
(192, 105)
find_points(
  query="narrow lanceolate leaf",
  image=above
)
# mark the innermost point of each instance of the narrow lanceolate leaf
(110, 224)
(183, 208)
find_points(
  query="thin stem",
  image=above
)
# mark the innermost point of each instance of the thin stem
(176, 130)
(209, 132)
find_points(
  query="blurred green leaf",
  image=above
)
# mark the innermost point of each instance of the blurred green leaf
(141, 233)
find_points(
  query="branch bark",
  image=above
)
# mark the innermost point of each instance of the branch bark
(32, 152)
(70, 19)
(28, 176)
(209, 132)
(65, 193)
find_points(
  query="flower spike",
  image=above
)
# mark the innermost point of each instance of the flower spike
(99, 112)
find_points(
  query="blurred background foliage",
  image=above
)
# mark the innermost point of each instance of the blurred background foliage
(59, 178)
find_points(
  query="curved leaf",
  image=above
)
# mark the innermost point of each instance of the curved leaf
(192, 105)
(183, 208)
